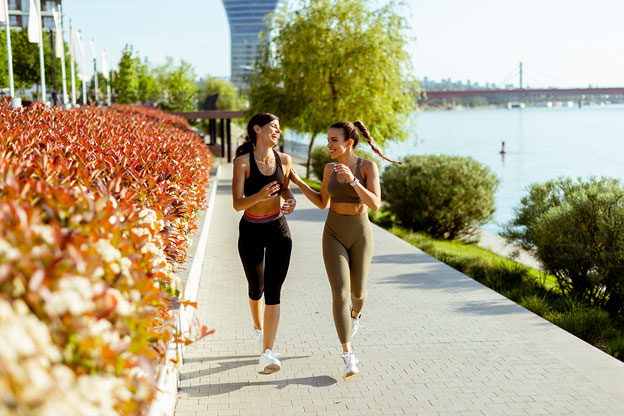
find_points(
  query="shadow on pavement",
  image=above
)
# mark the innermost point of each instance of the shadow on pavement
(225, 388)
(427, 281)
(225, 365)
(502, 307)
(404, 258)
(230, 357)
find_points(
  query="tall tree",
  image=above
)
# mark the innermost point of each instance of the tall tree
(229, 97)
(333, 60)
(179, 84)
(149, 91)
(127, 80)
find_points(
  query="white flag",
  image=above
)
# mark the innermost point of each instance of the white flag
(34, 23)
(3, 10)
(59, 33)
(104, 65)
(72, 48)
(93, 53)
(80, 47)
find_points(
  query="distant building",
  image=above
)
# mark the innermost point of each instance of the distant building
(246, 20)
(19, 11)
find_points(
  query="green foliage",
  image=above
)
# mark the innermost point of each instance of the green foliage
(26, 67)
(179, 85)
(577, 231)
(25, 59)
(615, 344)
(127, 80)
(444, 196)
(585, 322)
(229, 97)
(333, 60)
(537, 304)
(319, 157)
(149, 90)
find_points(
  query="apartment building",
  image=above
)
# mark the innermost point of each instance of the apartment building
(19, 11)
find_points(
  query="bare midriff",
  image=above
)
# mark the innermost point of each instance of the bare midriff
(347, 208)
(265, 208)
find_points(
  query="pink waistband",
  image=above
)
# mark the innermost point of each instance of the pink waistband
(265, 216)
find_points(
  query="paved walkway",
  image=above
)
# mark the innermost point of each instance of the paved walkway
(435, 342)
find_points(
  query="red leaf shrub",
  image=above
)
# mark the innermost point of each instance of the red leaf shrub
(95, 209)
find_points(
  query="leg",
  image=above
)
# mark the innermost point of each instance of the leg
(360, 256)
(271, 321)
(256, 312)
(251, 251)
(337, 266)
(277, 260)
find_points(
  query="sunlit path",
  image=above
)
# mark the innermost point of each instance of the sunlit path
(435, 342)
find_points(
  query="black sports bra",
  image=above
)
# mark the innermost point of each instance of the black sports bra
(257, 180)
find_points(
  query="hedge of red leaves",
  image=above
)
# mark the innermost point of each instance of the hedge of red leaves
(95, 208)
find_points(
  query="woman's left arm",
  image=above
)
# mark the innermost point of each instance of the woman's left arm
(371, 193)
(289, 197)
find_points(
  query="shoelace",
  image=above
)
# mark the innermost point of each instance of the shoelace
(350, 359)
(274, 354)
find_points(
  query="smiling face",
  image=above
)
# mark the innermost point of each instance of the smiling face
(269, 133)
(336, 143)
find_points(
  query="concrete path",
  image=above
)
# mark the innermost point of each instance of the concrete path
(435, 342)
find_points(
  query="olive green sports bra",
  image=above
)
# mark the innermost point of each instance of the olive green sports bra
(343, 192)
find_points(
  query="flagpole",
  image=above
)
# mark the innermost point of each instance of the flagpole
(82, 68)
(72, 59)
(9, 54)
(62, 44)
(95, 74)
(41, 58)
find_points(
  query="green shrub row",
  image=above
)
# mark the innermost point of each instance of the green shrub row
(576, 228)
(525, 286)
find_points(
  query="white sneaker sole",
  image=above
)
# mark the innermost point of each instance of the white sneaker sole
(351, 373)
(270, 369)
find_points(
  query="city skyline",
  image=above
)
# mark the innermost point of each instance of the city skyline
(562, 43)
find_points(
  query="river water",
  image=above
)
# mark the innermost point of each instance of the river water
(541, 144)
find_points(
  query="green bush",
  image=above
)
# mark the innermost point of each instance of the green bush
(615, 346)
(445, 196)
(320, 157)
(586, 323)
(536, 304)
(577, 231)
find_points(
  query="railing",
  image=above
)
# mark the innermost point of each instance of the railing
(296, 149)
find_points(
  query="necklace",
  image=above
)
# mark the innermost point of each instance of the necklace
(265, 162)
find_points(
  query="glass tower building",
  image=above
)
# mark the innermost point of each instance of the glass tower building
(246, 20)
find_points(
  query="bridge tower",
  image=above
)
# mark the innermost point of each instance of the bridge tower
(520, 74)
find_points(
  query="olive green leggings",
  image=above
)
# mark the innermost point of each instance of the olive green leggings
(347, 251)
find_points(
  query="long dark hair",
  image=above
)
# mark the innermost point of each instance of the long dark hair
(351, 132)
(259, 120)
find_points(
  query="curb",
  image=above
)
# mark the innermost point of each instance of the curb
(166, 396)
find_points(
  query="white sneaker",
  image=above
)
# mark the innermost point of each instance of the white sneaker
(355, 325)
(258, 334)
(350, 364)
(269, 363)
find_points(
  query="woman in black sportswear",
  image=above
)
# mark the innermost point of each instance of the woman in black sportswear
(264, 243)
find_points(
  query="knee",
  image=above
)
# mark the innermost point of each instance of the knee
(255, 292)
(272, 297)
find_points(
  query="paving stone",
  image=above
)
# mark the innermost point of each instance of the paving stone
(434, 342)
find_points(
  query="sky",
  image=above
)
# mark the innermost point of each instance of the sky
(562, 43)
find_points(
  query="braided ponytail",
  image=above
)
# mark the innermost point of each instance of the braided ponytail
(371, 142)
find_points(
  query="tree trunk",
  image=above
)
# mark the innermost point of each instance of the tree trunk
(312, 137)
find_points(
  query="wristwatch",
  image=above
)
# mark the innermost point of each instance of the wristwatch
(355, 182)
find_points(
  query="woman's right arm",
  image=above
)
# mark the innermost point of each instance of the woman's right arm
(320, 199)
(240, 201)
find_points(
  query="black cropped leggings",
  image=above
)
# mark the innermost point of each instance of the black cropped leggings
(264, 249)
